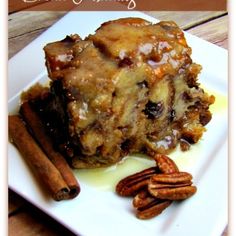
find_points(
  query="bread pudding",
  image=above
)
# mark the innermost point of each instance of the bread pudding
(130, 87)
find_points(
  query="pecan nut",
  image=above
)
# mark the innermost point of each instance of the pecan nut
(132, 184)
(165, 164)
(142, 199)
(175, 186)
(148, 206)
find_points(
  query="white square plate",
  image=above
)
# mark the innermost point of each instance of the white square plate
(98, 211)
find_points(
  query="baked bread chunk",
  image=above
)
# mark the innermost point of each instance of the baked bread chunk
(130, 87)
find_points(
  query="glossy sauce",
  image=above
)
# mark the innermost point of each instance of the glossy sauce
(106, 178)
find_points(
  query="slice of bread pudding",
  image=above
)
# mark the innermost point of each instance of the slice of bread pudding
(130, 87)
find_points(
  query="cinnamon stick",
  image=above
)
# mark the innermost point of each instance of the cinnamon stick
(39, 133)
(36, 159)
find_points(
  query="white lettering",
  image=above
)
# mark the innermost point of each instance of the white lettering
(77, 2)
(30, 0)
(131, 5)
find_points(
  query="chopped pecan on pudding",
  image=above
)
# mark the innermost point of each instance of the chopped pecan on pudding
(130, 87)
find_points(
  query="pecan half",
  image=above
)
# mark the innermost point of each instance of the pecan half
(142, 199)
(173, 186)
(148, 206)
(130, 185)
(165, 164)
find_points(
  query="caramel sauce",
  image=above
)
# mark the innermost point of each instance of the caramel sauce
(105, 179)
